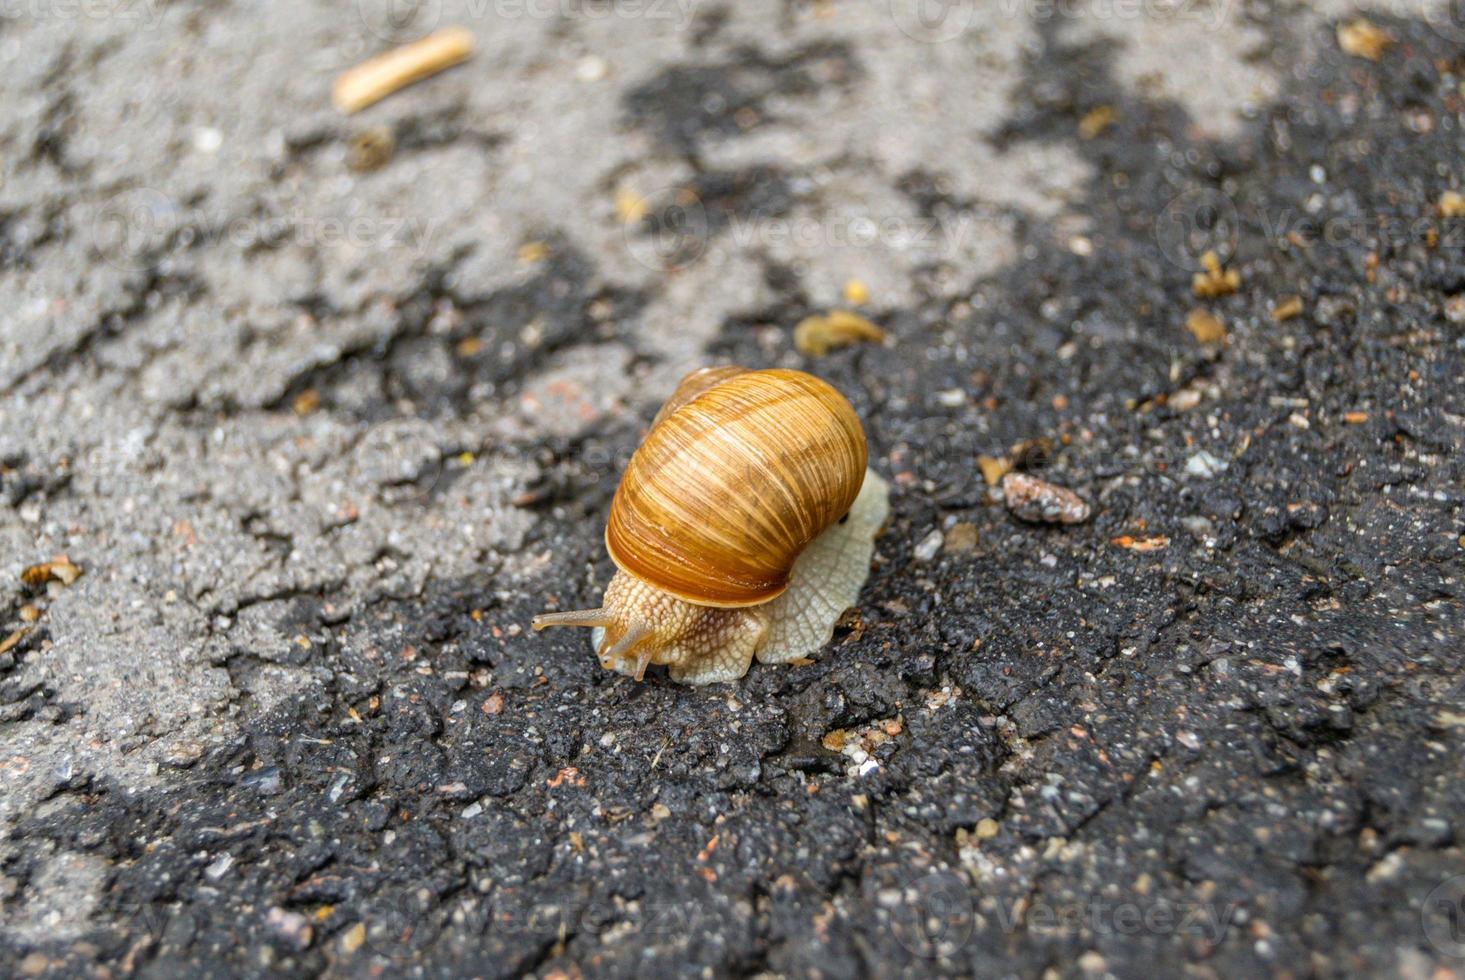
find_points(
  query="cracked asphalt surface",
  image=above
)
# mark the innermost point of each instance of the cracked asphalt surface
(322, 439)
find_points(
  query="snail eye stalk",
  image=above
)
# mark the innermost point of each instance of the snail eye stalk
(574, 617)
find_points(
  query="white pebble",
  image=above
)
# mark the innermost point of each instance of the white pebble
(1205, 465)
(929, 546)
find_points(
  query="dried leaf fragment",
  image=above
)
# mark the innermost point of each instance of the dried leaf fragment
(818, 335)
(1155, 543)
(306, 402)
(59, 568)
(8, 644)
(962, 538)
(1214, 280)
(375, 79)
(1040, 502)
(630, 206)
(1205, 326)
(1364, 39)
(1096, 120)
(993, 469)
(1287, 309)
(834, 740)
(532, 252)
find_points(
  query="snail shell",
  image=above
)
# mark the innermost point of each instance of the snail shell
(743, 525)
(731, 487)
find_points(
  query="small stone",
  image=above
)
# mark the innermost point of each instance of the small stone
(592, 68)
(353, 939)
(370, 149)
(1455, 309)
(207, 140)
(291, 928)
(182, 755)
(856, 293)
(951, 397)
(1092, 962)
(34, 964)
(929, 546)
(1205, 465)
(1184, 400)
(1198, 526)
(219, 867)
(1040, 502)
(987, 828)
(659, 812)
(961, 538)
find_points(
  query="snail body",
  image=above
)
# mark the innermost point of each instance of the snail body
(743, 526)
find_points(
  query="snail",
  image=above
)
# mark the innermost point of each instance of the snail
(743, 527)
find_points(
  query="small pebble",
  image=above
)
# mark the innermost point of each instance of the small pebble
(929, 546)
(353, 939)
(370, 149)
(1205, 465)
(1200, 527)
(1185, 399)
(292, 928)
(1040, 502)
(219, 867)
(207, 140)
(591, 68)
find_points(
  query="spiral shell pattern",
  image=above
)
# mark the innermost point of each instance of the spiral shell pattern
(731, 485)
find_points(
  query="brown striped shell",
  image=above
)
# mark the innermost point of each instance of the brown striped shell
(741, 470)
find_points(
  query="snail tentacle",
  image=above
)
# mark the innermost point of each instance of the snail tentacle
(574, 617)
(621, 648)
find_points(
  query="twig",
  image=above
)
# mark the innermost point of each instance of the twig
(369, 82)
